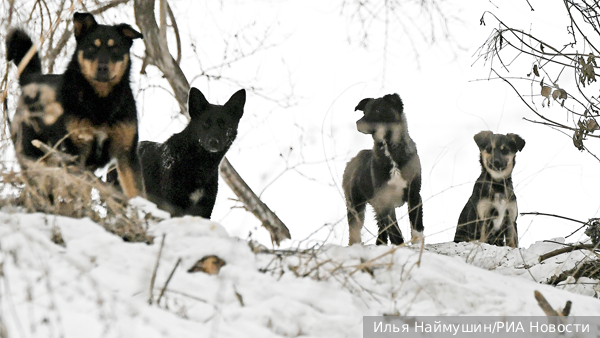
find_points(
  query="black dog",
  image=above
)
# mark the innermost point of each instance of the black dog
(182, 174)
(490, 215)
(89, 111)
(387, 176)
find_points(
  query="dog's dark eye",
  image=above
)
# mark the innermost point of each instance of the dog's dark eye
(504, 150)
(488, 149)
(206, 124)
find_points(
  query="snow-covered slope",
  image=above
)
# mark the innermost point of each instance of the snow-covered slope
(99, 286)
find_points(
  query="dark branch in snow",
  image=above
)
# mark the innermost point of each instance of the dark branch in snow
(567, 249)
(547, 308)
(270, 221)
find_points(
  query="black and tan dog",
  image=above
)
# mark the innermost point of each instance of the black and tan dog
(89, 110)
(386, 176)
(490, 215)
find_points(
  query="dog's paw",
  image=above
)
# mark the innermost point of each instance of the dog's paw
(52, 112)
(417, 237)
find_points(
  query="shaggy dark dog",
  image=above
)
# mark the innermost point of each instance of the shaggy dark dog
(386, 176)
(181, 175)
(490, 215)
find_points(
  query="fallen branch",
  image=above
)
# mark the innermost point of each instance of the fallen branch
(565, 250)
(270, 221)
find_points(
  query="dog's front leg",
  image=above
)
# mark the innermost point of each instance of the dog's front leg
(207, 197)
(356, 217)
(415, 209)
(512, 236)
(388, 227)
(124, 140)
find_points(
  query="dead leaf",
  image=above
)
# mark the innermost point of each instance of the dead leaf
(563, 94)
(535, 70)
(546, 91)
(591, 125)
(208, 264)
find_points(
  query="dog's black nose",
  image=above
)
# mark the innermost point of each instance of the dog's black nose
(213, 145)
(497, 164)
(103, 72)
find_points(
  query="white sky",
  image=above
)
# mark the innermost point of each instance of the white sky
(444, 104)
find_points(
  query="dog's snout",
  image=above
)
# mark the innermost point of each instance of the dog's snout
(103, 72)
(497, 164)
(362, 126)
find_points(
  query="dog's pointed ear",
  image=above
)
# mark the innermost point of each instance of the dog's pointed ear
(197, 103)
(236, 103)
(483, 139)
(128, 32)
(362, 104)
(82, 24)
(520, 142)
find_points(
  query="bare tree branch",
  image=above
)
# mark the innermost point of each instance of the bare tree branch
(577, 56)
(176, 32)
(270, 221)
(157, 52)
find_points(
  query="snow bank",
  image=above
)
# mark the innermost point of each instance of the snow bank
(99, 286)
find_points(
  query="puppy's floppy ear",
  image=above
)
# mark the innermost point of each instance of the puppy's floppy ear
(128, 32)
(362, 104)
(396, 101)
(236, 103)
(197, 103)
(82, 24)
(518, 141)
(483, 139)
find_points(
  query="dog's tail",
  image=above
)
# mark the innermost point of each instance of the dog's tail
(18, 44)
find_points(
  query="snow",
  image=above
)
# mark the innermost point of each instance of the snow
(97, 285)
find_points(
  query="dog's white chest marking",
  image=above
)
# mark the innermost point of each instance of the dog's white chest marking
(396, 180)
(501, 205)
(392, 193)
(196, 195)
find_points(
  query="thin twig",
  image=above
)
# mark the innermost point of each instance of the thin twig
(551, 215)
(162, 291)
(162, 243)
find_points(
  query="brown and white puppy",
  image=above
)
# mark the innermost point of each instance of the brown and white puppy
(386, 176)
(490, 215)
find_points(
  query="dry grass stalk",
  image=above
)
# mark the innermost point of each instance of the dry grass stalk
(547, 308)
(72, 192)
(153, 278)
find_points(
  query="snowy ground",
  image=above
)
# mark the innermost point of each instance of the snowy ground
(98, 285)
